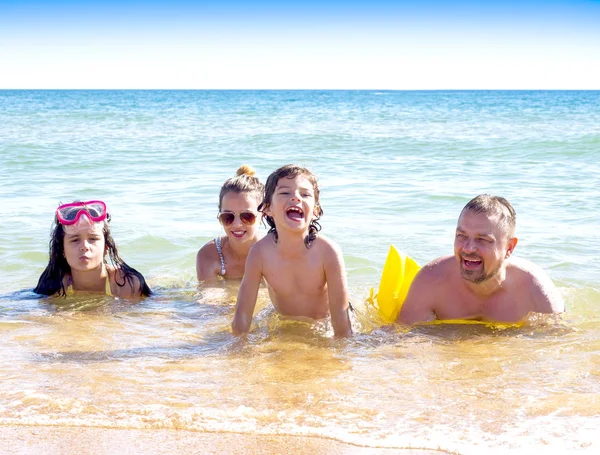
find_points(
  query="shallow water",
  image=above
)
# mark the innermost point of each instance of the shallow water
(394, 167)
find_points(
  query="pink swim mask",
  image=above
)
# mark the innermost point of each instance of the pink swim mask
(79, 216)
(68, 214)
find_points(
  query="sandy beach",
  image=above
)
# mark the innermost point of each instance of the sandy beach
(42, 440)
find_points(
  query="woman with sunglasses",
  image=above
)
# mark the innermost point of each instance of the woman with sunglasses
(79, 245)
(225, 256)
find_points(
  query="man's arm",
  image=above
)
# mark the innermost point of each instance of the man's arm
(246, 300)
(337, 289)
(547, 299)
(420, 301)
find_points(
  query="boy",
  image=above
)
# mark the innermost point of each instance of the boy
(305, 273)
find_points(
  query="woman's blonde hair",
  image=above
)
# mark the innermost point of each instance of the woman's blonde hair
(243, 182)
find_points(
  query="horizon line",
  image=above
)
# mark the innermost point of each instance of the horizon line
(317, 89)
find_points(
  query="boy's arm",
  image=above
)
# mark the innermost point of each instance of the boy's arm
(418, 306)
(337, 289)
(246, 300)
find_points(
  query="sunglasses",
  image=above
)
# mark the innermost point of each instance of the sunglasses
(227, 218)
(69, 214)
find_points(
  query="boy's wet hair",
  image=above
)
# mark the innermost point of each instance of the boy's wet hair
(51, 279)
(290, 171)
(495, 205)
(243, 182)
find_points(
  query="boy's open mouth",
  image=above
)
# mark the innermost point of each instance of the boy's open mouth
(294, 213)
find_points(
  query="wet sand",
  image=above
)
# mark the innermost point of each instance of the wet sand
(45, 440)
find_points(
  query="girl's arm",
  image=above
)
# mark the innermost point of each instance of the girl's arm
(337, 288)
(246, 300)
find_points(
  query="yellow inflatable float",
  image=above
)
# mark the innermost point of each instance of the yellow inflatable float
(398, 273)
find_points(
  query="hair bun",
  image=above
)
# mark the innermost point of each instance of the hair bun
(244, 169)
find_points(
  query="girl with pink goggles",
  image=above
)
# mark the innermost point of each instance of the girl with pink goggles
(62, 277)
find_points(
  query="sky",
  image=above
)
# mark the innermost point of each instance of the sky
(300, 44)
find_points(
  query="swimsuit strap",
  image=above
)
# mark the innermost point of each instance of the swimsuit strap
(220, 253)
(107, 289)
(107, 285)
(69, 289)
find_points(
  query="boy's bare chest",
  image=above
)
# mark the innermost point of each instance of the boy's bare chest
(300, 273)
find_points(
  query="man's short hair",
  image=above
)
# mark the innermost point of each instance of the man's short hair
(495, 205)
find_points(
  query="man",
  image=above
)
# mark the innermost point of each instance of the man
(482, 280)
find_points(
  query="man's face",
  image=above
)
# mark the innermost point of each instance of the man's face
(481, 245)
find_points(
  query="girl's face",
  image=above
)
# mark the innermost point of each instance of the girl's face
(85, 249)
(235, 204)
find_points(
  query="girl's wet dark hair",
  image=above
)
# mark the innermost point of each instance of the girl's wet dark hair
(290, 171)
(51, 279)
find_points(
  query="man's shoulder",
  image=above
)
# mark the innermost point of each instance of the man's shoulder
(525, 270)
(439, 267)
(527, 275)
(428, 290)
(435, 276)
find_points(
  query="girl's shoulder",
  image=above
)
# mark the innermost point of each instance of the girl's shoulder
(115, 272)
(121, 284)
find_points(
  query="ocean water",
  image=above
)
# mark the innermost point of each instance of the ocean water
(394, 168)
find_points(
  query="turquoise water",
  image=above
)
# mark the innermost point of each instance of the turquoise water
(394, 167)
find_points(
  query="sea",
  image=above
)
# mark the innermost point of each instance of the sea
(394, 168)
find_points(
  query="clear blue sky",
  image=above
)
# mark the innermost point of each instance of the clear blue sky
(300, 44)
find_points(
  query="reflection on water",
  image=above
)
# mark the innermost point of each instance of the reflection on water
(171, 362)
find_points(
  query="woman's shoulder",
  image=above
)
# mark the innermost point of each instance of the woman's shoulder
(208, 263)
(208, 250)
